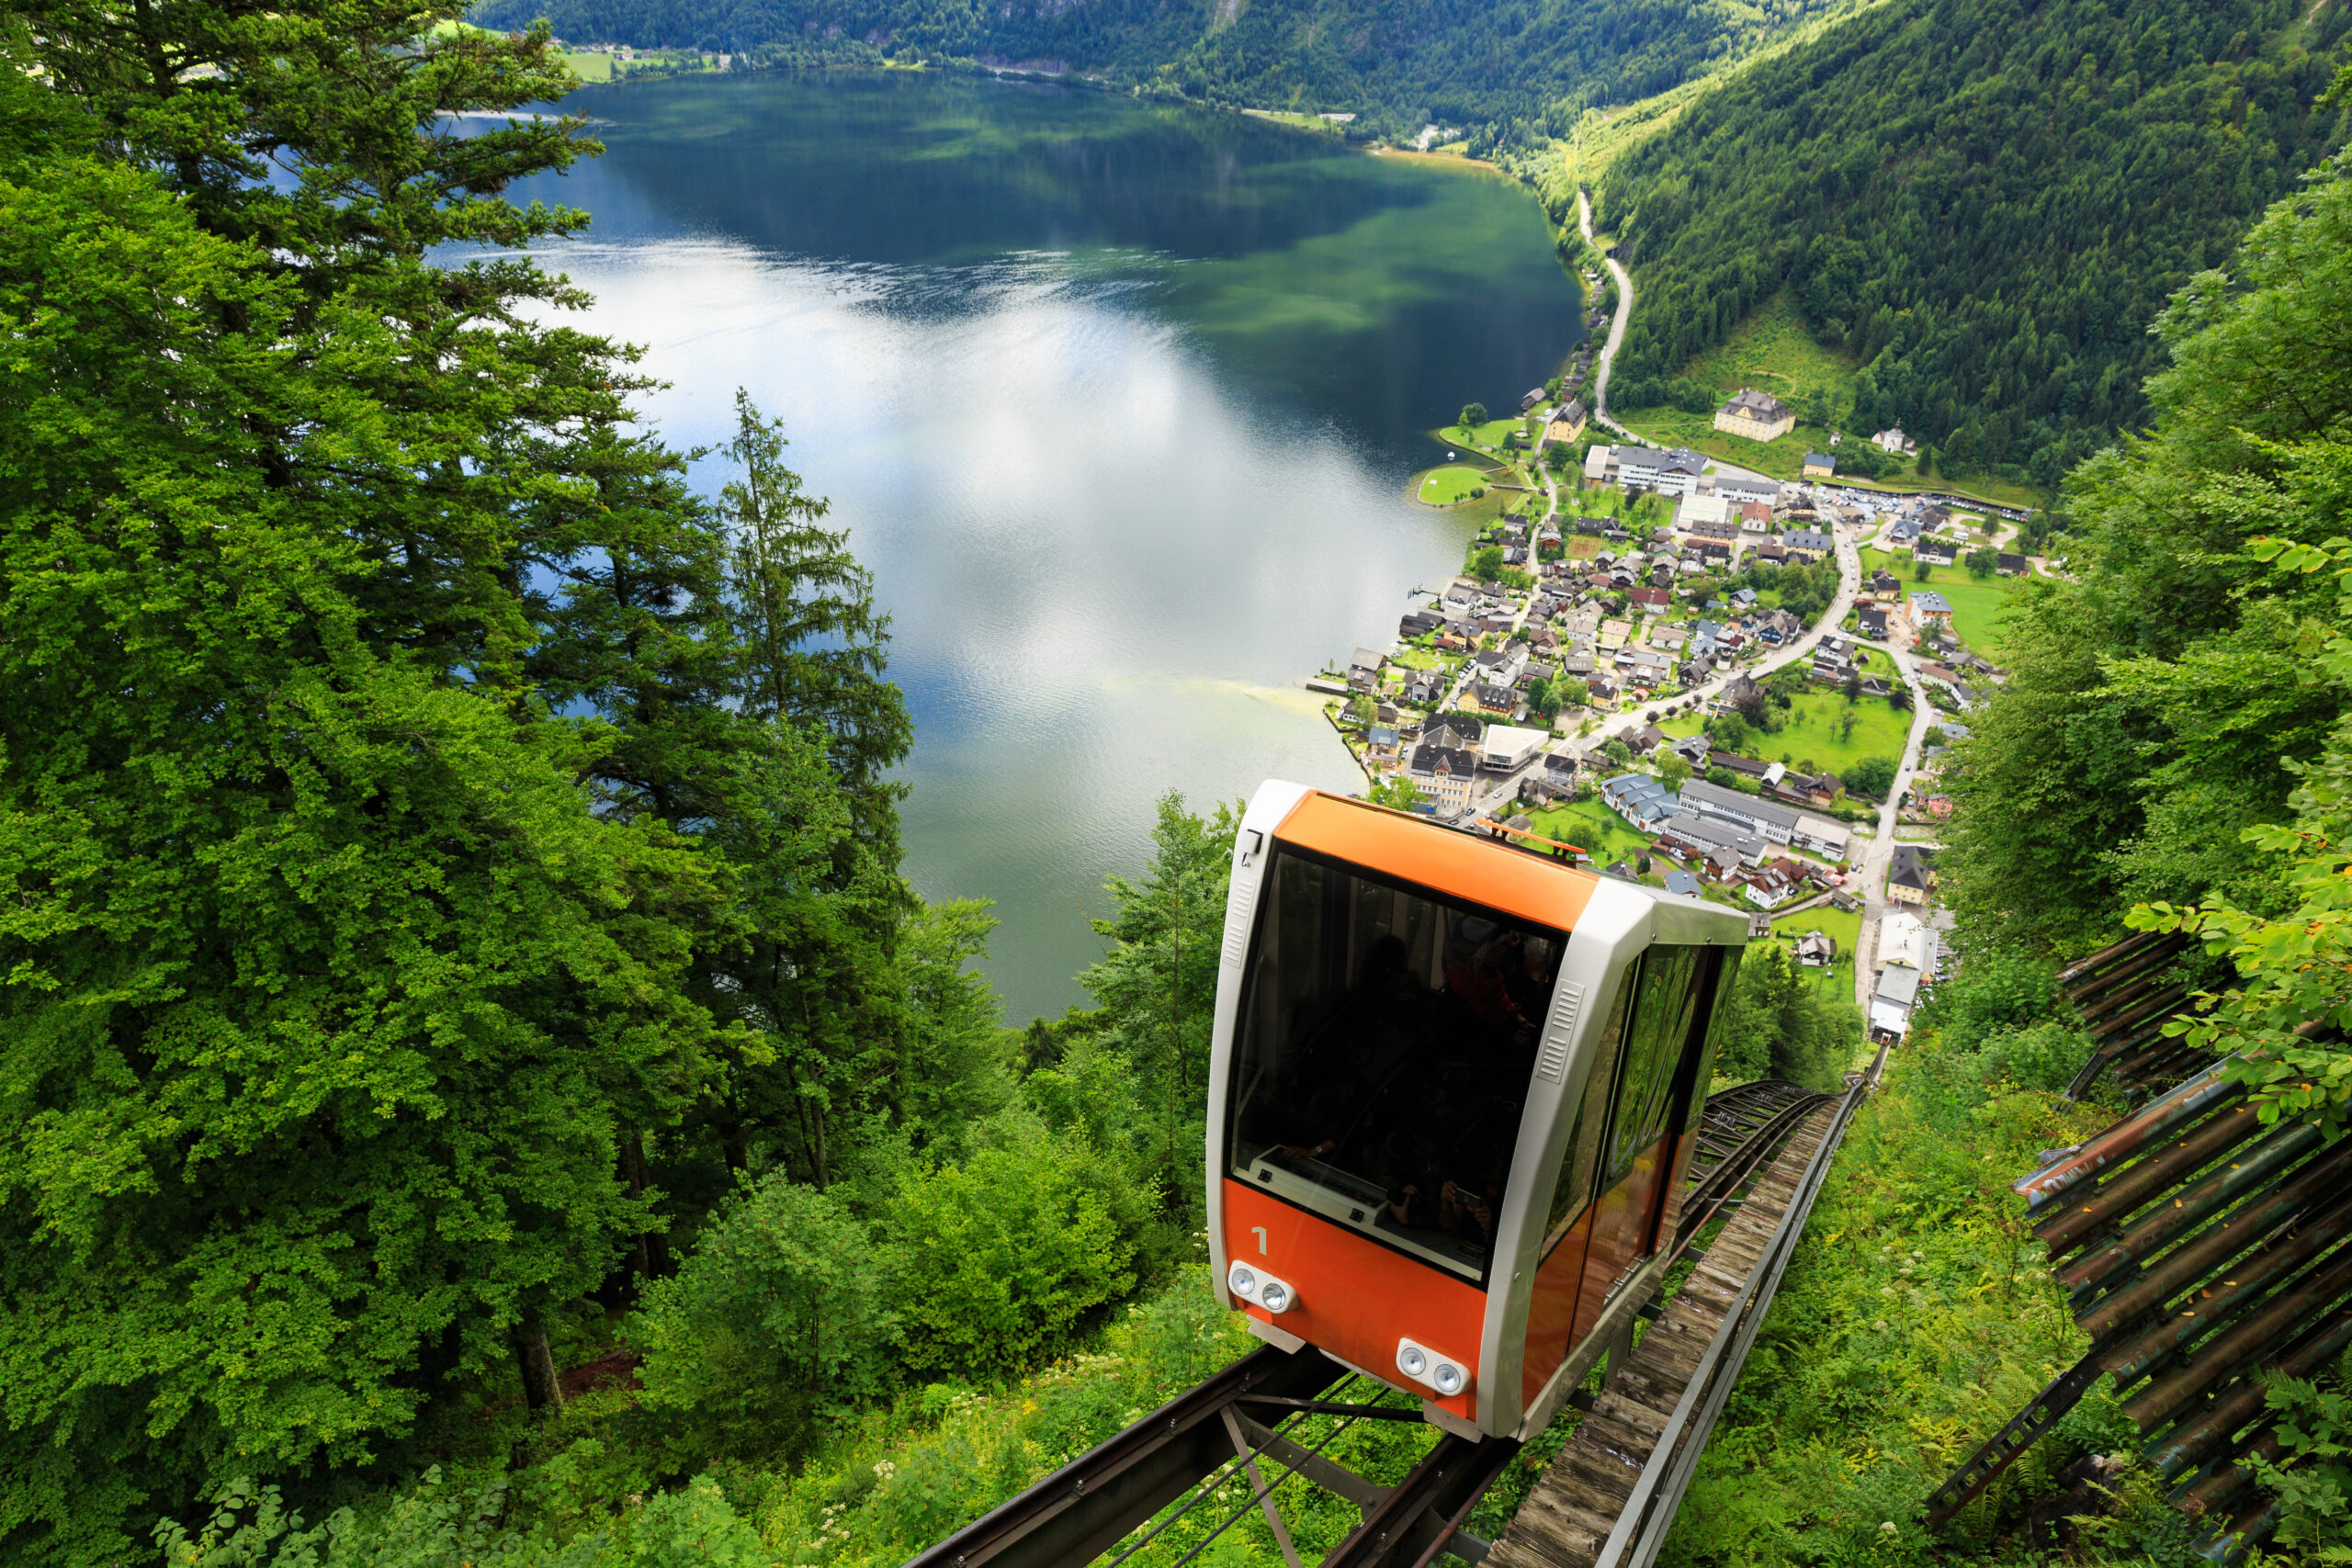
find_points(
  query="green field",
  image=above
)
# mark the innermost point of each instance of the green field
(1809, 733)
(1594, 829)
(1844, 926)
(589, 67)
(1489, 438)
(1452, 485)
(1978, 606)
(1773, 351)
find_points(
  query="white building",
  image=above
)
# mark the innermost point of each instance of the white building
(1505, 747)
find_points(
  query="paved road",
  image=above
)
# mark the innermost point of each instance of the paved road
(1601, 367)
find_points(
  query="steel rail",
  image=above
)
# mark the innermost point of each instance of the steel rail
(1657, 1497)
(1083, 1509)
(1089, 1506)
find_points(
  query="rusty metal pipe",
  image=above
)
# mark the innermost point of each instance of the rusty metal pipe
(2250, 1222)
(2192, 1206)
(2113, 951)
(2241, 1343)
(2129, 975)
(2250, 1277)
(2128, 1137)
(2139, 1012)
(2246, 1531)
(2186, 1447)
(2217, 1491)
(2150, 1174)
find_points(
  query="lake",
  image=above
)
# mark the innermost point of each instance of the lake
(1118, 401)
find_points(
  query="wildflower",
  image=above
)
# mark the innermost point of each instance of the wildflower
(1887, 1528)
(1880, 1325)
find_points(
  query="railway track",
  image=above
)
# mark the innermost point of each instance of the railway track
(1266, 1424)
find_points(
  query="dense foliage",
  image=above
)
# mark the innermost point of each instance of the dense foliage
(453, 949)
(1506, 74)
(2166, 696)
(1982, 201)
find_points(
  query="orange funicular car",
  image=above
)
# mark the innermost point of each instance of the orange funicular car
(1453, 1091)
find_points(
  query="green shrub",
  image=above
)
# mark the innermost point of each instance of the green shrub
(998, 1259)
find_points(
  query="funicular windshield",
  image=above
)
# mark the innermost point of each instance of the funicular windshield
(1383, 1054)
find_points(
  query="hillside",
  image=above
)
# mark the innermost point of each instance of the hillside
(1513, 73)
(1982, 201)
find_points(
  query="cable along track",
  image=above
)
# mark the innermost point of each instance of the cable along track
(1264, 1426)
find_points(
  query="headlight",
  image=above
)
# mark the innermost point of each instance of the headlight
(1244, 1281)
(1273, 1296)
(1430, 1369)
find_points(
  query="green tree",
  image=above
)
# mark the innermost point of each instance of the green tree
(1982, 563)
(1486, 563)
(1157, 986)
(774, 1324)
(1722, 778)
(1471, 416)
(1780, 1025)
(1870, 778)
(1397, 792)
(1922, 572)
(1359, 708)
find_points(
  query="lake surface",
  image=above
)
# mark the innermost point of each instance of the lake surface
(1118, 401)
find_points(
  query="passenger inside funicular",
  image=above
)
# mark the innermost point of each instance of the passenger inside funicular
(1385, 1046)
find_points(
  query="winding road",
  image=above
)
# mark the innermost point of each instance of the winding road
(1624, 314)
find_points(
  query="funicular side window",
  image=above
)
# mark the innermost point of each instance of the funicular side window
(1628, 1095)
(1383, 1054)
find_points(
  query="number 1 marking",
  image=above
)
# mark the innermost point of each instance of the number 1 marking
(1259, 1232)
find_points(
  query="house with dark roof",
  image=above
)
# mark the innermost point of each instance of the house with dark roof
(1639, 799)
(1819, 465)
(1776, 823)
(1443, 774)
(2010, 565)
(1911, 877)
(1807, 544)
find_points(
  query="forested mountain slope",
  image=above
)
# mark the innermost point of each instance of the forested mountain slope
(1984, 200)
(1518, 69)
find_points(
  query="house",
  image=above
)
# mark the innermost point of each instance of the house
(1645, 667)
(1890, 1003)
(1693, 749)
(1644, 740)
(1685, 835)
(1499, 666)
(1870, 621)
(1714, 532)
(1443, 773)
(1776, 823)
(1568, 422)
(1534, 396)
(1637, 467)
(1770, 886)
(1364, 669)
(1597, 464)
(1886, 587)
(1744, 492)
(1420, 623)
(2010, 565)
(1649, 598)
(1816, 949)
(1911, 877)
(1934, 553)
(1639, 799)
(1755, 517)
(1380, 741)
(1742, 598)
(1503, 700)
(1505, 748)
(1819, 465)
(1808, 544)
(1759, 416)
(1908, 940)
(1681, 883)
(1457, 732)
(1929, 606)
(1889, 440)
(1820, 836)
(1679, 471)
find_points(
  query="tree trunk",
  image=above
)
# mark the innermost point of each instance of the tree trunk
(541, 1390)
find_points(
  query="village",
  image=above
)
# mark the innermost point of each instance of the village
(1694, 676)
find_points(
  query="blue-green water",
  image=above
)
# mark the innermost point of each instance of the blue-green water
(1117, 400)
